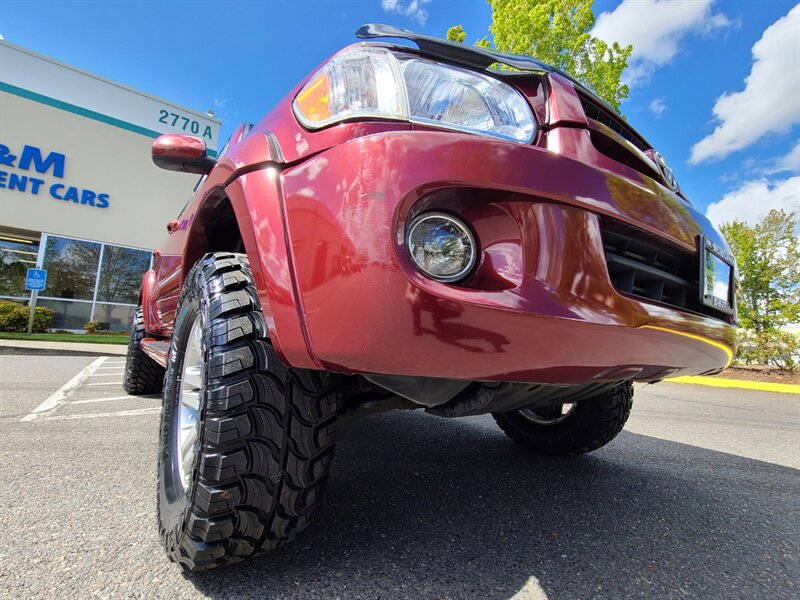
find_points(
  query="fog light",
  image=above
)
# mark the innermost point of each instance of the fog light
(441, 246)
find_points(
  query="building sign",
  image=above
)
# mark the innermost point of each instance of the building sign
(186, 124)
(31, 162)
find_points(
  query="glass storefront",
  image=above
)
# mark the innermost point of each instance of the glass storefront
(68, 314)
(71, 268)
(86, 281)
(121, 274)
(17, 255)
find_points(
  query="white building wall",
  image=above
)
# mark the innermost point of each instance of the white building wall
(104, 132)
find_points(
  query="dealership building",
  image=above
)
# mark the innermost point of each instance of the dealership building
(79, 195)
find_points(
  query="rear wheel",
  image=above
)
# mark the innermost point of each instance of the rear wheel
(570, 429)
(246, 442)
(143, 375)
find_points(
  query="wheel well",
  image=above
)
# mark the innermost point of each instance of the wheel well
(222, 230)
(219, 232)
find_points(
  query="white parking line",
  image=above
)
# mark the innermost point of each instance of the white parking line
(62, 394)
(121, 413)
(93, 400)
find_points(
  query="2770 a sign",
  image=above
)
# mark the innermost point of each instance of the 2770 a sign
(183, 123)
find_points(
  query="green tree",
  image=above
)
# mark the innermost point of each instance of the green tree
(457, 34)
(558, 32)
(768, 257)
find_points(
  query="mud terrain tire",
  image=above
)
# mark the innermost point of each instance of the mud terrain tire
(265, 434)
(592, 424)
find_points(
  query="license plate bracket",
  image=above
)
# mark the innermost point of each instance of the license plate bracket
(716, 276)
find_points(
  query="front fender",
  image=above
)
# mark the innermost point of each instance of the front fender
(257, 202)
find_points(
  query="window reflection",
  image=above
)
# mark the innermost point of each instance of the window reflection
(71, 268)
(121, 274)
(17, 255)
(113, 317)
(66, 314)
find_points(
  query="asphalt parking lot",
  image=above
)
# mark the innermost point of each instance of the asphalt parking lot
(699, 497)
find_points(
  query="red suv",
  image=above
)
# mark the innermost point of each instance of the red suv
(411, 229)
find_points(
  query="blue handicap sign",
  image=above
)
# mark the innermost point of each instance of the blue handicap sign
(36, 279)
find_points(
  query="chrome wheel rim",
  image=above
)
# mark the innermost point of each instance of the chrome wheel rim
(548, 415)
(191, 388)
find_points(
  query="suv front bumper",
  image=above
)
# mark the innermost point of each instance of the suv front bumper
(539, 308)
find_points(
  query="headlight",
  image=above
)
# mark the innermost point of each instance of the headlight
(370, 82)
(441, 246)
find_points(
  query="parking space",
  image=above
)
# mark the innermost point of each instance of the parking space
(698, 497)
(94, 392)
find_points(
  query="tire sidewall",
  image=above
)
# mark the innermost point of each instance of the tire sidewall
(587, 428)
(174, 504)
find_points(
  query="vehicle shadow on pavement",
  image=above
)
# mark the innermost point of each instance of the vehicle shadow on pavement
(419, 507)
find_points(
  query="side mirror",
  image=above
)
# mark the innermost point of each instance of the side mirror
(183, 153)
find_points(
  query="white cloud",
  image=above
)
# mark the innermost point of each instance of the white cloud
(415, 9)
(769, 101)
(788, 163)
(754, 199)
(656, 29)
(657, 107)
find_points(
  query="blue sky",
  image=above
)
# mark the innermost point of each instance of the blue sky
(715, 85)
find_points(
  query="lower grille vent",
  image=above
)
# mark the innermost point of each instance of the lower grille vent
(640, 267)
(643, 270)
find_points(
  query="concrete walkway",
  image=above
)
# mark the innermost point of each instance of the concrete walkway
(61, 348)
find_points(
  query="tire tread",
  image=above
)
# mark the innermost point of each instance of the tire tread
(268, 431)
(143, 375)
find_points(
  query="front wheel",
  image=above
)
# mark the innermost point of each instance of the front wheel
(568, 430)
(245, 442)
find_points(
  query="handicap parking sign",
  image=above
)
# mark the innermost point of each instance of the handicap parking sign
(36, 279)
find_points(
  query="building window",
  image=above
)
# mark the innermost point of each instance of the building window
(91, 281)
(17, 255)
(71, 268)
(121, 274)
(67, 314)
(114, 317)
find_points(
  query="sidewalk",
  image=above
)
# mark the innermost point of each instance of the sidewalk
(61, 348)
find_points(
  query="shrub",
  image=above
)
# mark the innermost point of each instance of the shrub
(92, 326)
(780, 349)
(42, 319)
(14, 317)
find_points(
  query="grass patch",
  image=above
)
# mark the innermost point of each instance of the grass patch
(78, 338)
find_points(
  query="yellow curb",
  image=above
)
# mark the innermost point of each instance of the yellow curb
(761, 386)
